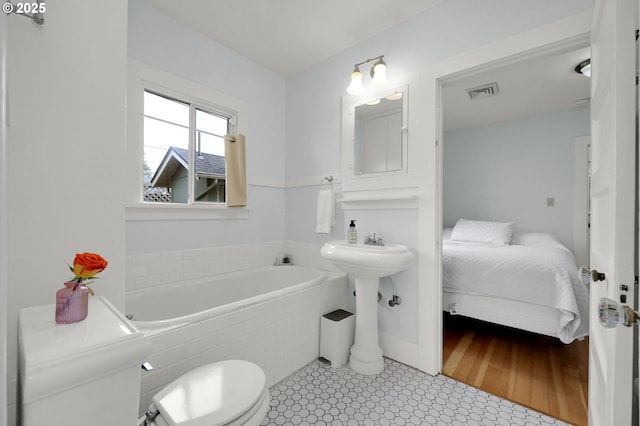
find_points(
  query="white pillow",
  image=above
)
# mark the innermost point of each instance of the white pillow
(477, 231)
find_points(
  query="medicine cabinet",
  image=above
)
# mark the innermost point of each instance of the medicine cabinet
(375, 141)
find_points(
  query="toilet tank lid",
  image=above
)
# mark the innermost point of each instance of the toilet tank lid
(55, 357)
(213, 394)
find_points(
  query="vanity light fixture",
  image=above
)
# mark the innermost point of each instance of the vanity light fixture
(378, 75)
(584, 68)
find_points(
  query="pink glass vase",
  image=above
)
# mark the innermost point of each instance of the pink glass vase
(72, 303)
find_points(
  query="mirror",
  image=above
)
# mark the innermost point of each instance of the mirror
(379, 135)
(375, 161)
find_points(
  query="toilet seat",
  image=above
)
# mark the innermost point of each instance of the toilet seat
(228, 392)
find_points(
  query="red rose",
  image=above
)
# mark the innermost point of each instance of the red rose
(87, 265)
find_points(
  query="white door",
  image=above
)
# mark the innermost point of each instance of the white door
(613, 114)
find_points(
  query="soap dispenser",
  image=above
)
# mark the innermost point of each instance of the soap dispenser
(352, 234)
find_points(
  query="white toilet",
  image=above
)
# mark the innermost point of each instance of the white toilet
(89, 373)
(223, 393)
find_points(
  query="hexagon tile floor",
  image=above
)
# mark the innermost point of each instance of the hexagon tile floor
(400, 395)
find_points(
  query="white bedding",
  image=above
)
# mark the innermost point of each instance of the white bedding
(535, 269)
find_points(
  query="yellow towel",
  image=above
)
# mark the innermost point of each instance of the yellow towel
(236, 165)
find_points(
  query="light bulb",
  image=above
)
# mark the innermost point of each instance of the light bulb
(356, 87)
(379, 74)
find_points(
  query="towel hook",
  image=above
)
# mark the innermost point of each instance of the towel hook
(329, 179)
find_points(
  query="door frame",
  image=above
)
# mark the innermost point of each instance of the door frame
(563, 34)
(581, 203)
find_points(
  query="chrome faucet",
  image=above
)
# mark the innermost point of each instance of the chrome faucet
(373, 240)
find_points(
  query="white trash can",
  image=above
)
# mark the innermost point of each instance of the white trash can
(337, 333)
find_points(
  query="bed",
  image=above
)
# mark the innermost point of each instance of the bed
(526, 280)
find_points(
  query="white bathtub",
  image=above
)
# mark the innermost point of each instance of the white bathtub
(186, 302)
(270, 316)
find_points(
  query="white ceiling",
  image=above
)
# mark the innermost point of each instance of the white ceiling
(290, 36)
(528, 87)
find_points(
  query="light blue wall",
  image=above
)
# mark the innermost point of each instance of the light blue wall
(454, 26)
(162, 42)
(313, 117)
(295, 123)
(397, 226)
(506, 171)
(313, 98)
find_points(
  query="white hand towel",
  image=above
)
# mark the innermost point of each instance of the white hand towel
(326, 216)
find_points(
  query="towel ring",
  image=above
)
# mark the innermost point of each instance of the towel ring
(329, 180)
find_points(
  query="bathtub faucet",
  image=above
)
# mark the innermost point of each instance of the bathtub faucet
(373, 240)
(283, 259)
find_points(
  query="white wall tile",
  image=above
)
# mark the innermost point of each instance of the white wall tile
(172, 277)
(200, 345)
(147, 259)
(134, 271)
(153, 379)
(183, 334)
(167, 356)
(212, 326)
(179, 368)
(150, 280)
(148, 270)
(218, 353)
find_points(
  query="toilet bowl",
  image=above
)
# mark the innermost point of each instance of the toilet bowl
(89, 373)
(231, 392)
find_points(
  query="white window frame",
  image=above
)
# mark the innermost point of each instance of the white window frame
(143, 77)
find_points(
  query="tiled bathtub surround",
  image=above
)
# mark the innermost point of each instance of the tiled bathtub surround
(400, 395)
(308, 254)
(281, 336)
(148, 270)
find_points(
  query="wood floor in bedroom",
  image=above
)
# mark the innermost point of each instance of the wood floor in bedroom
(536, 371)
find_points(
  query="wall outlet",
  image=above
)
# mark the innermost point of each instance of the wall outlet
(551, 201)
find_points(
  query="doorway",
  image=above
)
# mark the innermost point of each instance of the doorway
(501, 128)
(566, 34)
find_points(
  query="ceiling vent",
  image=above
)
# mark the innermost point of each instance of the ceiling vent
(484, 91)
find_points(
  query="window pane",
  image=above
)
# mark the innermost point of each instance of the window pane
(210, 174)
(166, 160)
(168, 139)
(211, 123)
(166, 109)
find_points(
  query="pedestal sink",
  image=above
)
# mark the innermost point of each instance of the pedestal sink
(367, 264)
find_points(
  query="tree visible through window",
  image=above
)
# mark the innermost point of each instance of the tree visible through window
(183, 151)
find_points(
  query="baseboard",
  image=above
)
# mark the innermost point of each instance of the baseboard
(398, 349)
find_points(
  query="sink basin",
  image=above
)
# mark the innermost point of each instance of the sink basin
(360, 260)
(366, 264)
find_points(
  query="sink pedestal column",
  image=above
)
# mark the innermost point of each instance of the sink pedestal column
(366, 355)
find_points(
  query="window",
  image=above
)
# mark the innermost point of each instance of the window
(183, 150)
(191, 118)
